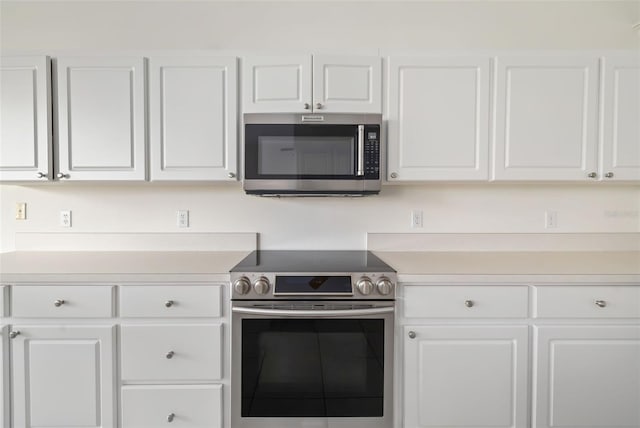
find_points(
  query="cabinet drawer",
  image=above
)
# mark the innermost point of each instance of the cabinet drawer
(588, 301)
(64, 301)
(171, 352)
(476, 301)
(194, 406)
(170, 301)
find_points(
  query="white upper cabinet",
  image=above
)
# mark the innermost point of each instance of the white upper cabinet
(304, 84)
(192, 118)
(101, 116)
(25, 119)
(546, 111)
(347, 84)
(438, 118)
(620, 148)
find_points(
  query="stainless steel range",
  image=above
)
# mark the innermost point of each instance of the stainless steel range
(312, 340)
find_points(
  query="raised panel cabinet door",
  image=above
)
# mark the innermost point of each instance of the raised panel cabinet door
(464, 376)
(438, 118)
(4, 377)
(192, 118)
(25, 119)
(621, 118)
(276, 84)
(101, 118)
(546, 119)
(587, 376)
(63, 376)
(347, 84)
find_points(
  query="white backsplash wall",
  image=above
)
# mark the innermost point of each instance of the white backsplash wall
(358, 27)
(322, 223)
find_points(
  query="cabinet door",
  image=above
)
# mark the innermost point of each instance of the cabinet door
(465, 376)
(347, 84)
(63, 376)
(276, 84)
(621, 118)
(192, 118)
(438, 118)
(101, 118)
(4, 378)
(546, 118)
(25, 119)
(587, 376)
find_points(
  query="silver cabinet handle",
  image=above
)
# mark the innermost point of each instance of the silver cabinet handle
(394, 175)
(592, 175)
(42, 175)
(170, 355)
(231, 175)
(61, 175)
(319, 106)
(307, 106)
(14, 334)
(58, 303)
(609, 175)
(600, 303)
(412, 335)
(169, 303)
(170, 417)
(468, 303)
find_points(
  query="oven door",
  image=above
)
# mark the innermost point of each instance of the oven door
(312, 365)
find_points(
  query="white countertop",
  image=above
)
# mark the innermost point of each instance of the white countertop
(543, 266)
(117, 265)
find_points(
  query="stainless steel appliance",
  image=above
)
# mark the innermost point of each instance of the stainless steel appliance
(312, 340)
(312, 154)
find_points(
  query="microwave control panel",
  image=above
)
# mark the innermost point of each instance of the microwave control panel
(372, 152)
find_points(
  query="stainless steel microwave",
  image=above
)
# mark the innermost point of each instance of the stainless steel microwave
(312, 154)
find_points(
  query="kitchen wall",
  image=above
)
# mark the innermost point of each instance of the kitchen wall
(327, 26)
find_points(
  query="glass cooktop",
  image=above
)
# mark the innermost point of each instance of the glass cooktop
(311, 261)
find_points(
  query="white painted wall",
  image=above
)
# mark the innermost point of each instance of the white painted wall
(319, 26)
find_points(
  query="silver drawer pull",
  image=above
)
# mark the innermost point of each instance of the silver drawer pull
(169, 303)
(412, 335)
(58, 303)
(468, 303)
(170, 355)
(600, 303)
(14, 334)
(170, 417)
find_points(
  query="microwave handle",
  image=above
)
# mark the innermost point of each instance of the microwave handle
(360, 169)
(314, 313)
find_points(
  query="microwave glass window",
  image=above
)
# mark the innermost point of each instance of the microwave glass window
(306, 155)
(312, 368)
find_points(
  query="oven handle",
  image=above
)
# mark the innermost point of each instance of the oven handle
(360, 170)
(313, 314)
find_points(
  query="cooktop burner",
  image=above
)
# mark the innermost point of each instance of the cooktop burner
(311, 261)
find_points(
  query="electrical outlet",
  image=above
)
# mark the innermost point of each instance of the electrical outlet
(21, 211)
(183, 218)
(550, 219)
(65, 218)
(416, 218)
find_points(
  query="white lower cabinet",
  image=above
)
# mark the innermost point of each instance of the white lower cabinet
(465, 376)
(63, 376)
(587, 376)
(183, 406)
(4, 365)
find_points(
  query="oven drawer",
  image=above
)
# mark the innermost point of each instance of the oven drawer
(587, 301)
(474, 301)
(62, 301)
(170, 301)
(185, 352)
(184, 406)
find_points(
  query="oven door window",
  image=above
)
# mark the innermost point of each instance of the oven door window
(300, 151)
(312, 368)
